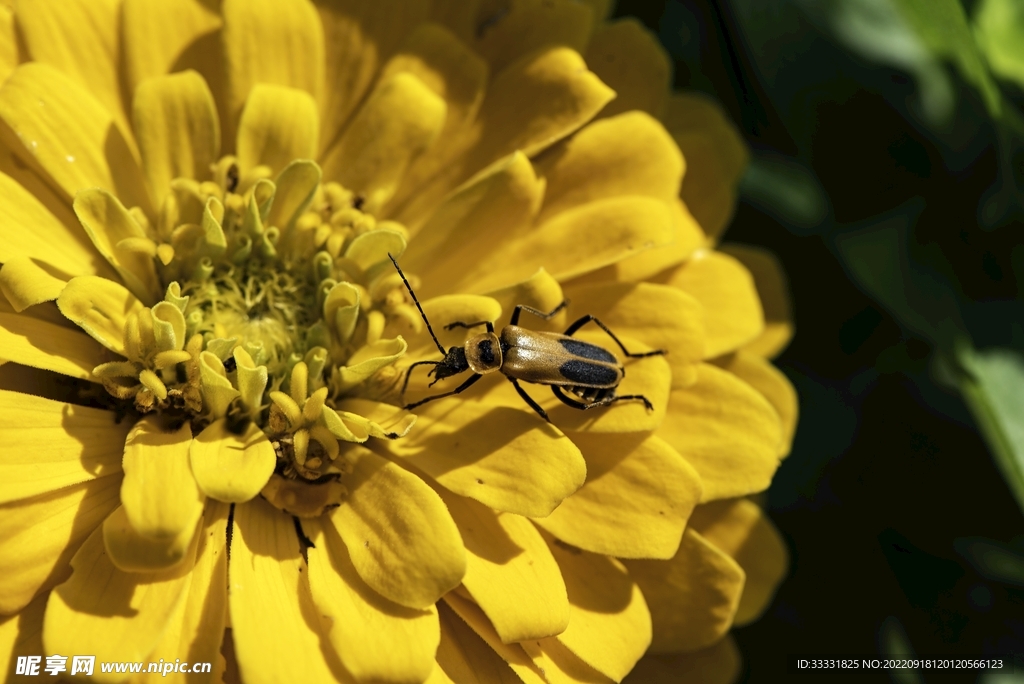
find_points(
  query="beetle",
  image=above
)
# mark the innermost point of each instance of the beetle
(586, 371)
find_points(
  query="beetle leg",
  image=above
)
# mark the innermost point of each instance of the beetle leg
(588, 318)
(528, 399)
(460, 324)
(457, 390)
(536, 312)
(408, 373)
(568, 401)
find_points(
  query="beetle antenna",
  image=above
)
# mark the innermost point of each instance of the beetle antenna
(417, 302)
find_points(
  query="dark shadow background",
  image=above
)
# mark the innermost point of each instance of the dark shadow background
(889, 486)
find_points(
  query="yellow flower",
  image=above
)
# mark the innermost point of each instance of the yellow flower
(196, 212)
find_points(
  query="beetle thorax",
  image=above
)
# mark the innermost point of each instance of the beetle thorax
(483, 352)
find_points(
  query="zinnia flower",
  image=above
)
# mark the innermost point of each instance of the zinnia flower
(204, 452)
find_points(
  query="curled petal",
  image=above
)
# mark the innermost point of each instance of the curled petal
(100, 307)
(26, 283)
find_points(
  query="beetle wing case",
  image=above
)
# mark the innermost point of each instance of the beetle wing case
(554, 359)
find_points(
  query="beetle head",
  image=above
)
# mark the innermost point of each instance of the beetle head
(454, 362)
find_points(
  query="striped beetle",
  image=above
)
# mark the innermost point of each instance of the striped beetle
(568, 365)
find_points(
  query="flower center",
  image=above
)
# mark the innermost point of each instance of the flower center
(277, 299)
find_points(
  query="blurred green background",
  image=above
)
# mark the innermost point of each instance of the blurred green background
(887, 173)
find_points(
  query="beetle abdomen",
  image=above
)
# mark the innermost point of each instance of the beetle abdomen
(589, 374)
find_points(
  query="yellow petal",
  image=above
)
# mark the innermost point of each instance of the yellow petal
(465, 658)
(359, 37)
(8, 44)
(535, 102)
(661, 317)
(512, 654)
(63, 130)
(541, 292)
(279, 124)
(448, 67)
(374, 246)
(178, 130)
(773, 289)
(693, 597)
(32, 231)
(81, 38)
(199, 633)
(109, 613)
(369, 359)
(161, 36)
(160, 495)
(279, 42)
(635, 503)
(295, 188)
(26, 283)
(531, 24)
(505, 458)
(22, 634)
(100, 307)
(609, 623)
(383, 421)
(576, 241)
(715, 156)
(717, 664)
(107, 222)
(274, 622)
(376, 640)
(687, 238)
(38, 537)
(129, 551)
(40, 344)
(399, 534)
(49, 445)
(739, 528)
(559, 664)
(446, 309)
(399, 120)
(773, 386)
(510, 572)
(727, 431)
(732, 310)
(229, 467)
(630, 154)
(502, 200)
(629, 58)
